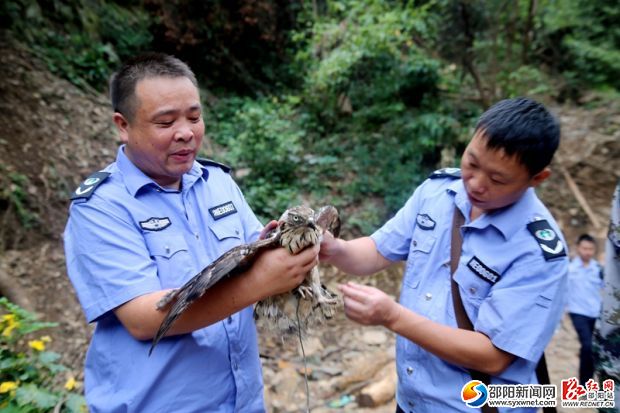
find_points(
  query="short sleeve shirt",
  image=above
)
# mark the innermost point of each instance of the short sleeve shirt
(510, 291)
(132, 237)
(585, 283)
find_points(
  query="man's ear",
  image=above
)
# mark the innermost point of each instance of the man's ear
(122, 125)
(540, 177)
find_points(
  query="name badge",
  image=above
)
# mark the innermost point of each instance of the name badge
(223, 210)
(482, 271)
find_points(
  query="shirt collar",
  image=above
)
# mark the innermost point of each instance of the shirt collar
(135, 179)
(507, 220)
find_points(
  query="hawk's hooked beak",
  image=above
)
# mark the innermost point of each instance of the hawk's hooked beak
(311, 224)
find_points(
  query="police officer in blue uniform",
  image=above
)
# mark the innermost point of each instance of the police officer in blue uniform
(511, 273)
(585, 284)
(148, 223)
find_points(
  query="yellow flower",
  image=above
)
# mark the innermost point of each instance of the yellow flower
(70, 384)
(8, 317)
(38, 345)
(46, 339)
(11, 324)
(7, 386)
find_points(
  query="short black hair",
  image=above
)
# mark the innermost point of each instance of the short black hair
(146, 65)
(585, 237)
(523, 128)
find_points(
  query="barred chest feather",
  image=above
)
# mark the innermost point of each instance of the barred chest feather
(295, 239)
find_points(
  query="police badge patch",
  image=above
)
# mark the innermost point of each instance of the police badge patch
(549, 242)
(87, 188)
(425, 222)
(453, 173)
(155, 224)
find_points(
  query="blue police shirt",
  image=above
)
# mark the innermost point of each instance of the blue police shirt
(584, 288)
(510, 291)
(133, 237)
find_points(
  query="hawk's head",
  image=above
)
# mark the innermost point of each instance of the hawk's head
(297, 217)
(298, 229)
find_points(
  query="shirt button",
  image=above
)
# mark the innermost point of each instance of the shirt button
(428, 296)
(229, 320)
(415, 243)
(235, 365)
(472, 290)
(167, 249)
(237, 231)
(409, 370)
(197, 236)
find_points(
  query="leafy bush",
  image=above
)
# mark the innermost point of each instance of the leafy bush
(362, 129)
(81, 41)
(263, 144)
(28, 373)
(14, 196)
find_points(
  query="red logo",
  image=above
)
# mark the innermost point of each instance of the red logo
(571, 389)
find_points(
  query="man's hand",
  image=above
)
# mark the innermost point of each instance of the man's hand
(329, 247)
(369, 305)
(277, 271)
(270, 226)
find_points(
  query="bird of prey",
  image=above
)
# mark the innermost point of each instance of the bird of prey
(298, 228)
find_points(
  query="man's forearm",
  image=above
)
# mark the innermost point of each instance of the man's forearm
(358, 256)
(469, 349)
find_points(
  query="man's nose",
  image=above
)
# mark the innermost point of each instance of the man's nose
(477, 185)
(184, 133)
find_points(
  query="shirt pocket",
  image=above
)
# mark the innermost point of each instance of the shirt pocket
(172, 257)
(422, 244)
(473, 288)
(228, 233)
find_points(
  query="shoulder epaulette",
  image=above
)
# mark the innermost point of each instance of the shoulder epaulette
(548, 241)
(209, 162)
(87, 188)
(454, 173)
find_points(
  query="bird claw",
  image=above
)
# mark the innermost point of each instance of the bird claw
(305, 292)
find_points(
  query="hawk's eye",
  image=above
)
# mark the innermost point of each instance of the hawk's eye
(296, 218)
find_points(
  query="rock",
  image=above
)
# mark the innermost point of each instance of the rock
(381, 391)
(374, 337)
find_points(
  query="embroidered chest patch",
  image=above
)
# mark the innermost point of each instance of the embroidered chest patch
(548, 241)
(223, 210)
(155, 224)
(483, 271)
(425, 222)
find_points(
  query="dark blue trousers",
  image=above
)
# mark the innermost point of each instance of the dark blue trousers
(584, 327)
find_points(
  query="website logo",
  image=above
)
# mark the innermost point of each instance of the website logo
(474, 394)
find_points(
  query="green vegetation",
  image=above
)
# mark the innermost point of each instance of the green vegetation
(349, 102)
(14, 195)
(29, 375)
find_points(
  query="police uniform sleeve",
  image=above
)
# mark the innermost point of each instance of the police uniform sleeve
(394, 237)
(525, 306)
(107, 259)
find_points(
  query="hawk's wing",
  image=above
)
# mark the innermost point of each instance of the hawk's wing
(328, 219)
(231, 262)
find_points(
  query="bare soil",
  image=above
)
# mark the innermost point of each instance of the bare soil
(54, 135)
